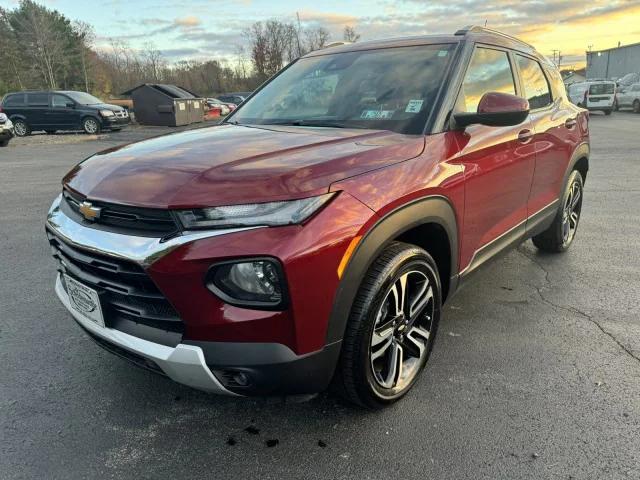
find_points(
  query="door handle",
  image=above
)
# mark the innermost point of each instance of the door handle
(525, 136)
(570, 123)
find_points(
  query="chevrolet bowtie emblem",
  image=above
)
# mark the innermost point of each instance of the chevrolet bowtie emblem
(89, 212)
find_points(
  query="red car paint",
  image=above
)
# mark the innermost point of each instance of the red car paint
(495, 178)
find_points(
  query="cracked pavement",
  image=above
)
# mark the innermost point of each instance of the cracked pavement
(535, 373)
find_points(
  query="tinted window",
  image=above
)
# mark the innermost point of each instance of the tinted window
(84, 98)
(489, 71)
(601, 89)
(38, 99)
(536, 87)
(59, 101)
(14, 101)
(390, 89)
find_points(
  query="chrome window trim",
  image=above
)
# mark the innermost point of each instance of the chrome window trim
(142, 250)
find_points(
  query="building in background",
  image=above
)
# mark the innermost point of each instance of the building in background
(613, 63)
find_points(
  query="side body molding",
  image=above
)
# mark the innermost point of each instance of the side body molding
(433, 209)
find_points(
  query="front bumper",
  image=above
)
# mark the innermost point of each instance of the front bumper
(115, 122)
(185, 363)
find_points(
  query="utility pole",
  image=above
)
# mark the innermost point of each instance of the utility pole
(298, 35)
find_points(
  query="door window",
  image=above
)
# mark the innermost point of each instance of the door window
(489, 71)
(59, 101)
(38, 99)
(536, 87)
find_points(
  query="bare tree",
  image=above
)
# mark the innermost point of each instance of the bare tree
(154, 61)
(87, 36)
(350, 34)
(316, 38)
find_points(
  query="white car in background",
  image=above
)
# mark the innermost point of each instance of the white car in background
(594, 95)
(629, 97)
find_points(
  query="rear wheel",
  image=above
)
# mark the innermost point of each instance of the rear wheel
(636, 106)
(560, 235)
(21, 128)
(4, 143)
(607, 112)
(91, 126)
(391, 327)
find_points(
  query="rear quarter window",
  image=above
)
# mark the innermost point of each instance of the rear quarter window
(14, 100)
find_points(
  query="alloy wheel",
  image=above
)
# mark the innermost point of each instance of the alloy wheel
(20, 128)
(401, 334)
(571, 212)
(90, 126)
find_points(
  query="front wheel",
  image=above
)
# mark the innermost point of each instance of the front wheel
(391, 327)
(607, 112)
(560, 235)
(91, 126)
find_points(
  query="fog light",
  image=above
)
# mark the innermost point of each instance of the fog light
(241, 378)
(253, 283)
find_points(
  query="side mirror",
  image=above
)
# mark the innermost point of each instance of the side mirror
(496, 110)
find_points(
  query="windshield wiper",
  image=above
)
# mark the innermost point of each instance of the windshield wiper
(314, 123)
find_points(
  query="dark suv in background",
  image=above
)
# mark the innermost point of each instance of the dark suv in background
(61, 110)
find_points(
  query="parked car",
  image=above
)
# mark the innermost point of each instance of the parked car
(629, 79)
(594, 95)
(214, 103)
(61, 110)
(6, 130)
(347, 200)
(235, 98)
(629, 97)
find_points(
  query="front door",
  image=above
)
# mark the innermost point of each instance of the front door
(62, 113)
(498, 163)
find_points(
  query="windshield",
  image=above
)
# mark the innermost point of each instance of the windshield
(391, 89)
(84, 98)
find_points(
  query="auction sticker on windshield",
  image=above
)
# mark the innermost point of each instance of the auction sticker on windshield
(377, 114)
(84, 300)
(414, 106)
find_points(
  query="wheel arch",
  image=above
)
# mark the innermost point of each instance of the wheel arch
(409, 223)
(579, 161)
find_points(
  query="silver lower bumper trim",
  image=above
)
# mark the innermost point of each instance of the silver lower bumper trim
(184, 364)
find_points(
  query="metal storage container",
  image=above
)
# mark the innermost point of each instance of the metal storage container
(165, 105)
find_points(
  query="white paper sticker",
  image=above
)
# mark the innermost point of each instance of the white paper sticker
(442, 53)
(196, 104)
(377, 114)
(414, 106)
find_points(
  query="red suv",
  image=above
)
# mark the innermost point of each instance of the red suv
(345, 201)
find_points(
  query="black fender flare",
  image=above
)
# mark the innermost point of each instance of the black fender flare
(18, 116)
(582, 151)
(432, 209)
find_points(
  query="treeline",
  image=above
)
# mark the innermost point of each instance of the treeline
(42, 49)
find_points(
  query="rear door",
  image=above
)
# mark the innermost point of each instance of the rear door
(498, 162)
(556, 133)
(37, 107)
(601, 95)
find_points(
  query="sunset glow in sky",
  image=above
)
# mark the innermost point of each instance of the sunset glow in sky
(213, 29)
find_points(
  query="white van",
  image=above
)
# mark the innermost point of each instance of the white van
(594, 95)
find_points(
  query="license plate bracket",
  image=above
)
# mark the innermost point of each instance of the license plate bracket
(84, 300)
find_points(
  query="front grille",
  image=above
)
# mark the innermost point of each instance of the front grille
(148, 222)
(121, 114)
(130, 301)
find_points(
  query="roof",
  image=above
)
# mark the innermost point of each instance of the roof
(170, 90)
(631, 45)
(473, 33)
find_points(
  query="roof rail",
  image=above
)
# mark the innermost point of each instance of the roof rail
(480, 29)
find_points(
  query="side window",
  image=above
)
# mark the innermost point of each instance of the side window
(536, 87)
(38, 99)
(14, 100)
(59, 101)
(489, 71)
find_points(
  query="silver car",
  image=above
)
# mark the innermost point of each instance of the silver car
(629, 97)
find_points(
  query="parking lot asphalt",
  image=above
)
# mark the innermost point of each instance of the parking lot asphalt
(536, 372)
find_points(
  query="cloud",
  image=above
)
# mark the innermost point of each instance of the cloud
(188, 22)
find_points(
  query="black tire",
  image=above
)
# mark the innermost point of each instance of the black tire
(21, 128)
(607, 112)
(356, 378)
(4, 143)
(90, 125)
(555, 239)
(636, 106)
(50, 132)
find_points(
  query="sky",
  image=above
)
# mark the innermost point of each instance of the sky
(213, 29)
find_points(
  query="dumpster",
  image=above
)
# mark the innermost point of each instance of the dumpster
(165, 105)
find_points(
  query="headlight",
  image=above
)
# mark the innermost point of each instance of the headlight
(8, 124)
(106, 113)
(256, 283)
(254, 214)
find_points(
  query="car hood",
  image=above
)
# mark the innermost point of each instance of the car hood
(229, 164)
